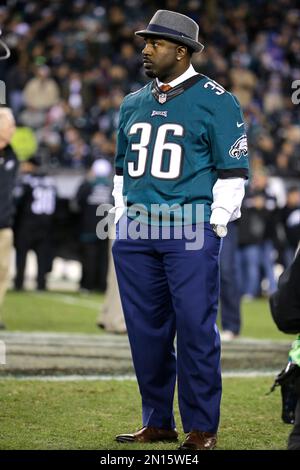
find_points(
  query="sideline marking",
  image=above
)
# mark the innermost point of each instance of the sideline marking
(92, 378)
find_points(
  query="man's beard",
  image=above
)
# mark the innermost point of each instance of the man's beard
(150, 73)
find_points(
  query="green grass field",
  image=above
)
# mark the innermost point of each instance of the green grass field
(51, 311)
(87, 415)
(72, 312)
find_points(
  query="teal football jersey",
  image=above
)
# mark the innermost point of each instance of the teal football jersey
(172, 147)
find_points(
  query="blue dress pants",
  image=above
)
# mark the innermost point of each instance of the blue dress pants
(165, 291)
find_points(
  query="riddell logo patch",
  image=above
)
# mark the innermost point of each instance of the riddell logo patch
(159, 113)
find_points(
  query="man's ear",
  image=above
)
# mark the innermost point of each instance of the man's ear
(181, 52)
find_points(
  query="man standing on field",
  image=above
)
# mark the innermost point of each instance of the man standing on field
(181, 142)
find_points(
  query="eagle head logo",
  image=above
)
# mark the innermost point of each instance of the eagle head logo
(239, 148)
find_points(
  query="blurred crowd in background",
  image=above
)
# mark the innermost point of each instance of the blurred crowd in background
(73, 62)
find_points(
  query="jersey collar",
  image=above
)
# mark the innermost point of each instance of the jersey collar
(190, 72)
(175, 91)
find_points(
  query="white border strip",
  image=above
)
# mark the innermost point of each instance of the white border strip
(93, 378)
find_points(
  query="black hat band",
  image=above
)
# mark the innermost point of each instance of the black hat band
(162, 29)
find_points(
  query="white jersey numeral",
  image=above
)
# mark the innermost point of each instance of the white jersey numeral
(175, 152)
(218, 89)
(140, 147)
(162, 149)
(43, 201)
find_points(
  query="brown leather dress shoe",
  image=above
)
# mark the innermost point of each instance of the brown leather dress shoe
(149, 434)
(199, 440)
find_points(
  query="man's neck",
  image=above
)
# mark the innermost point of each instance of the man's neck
(189, 72)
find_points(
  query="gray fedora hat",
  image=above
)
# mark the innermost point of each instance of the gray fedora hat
(174, 26)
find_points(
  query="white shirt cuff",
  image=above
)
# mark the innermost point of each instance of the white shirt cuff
(227, 199)
(220, 216)
(118, 191)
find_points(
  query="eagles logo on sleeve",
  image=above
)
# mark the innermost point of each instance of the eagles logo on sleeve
(239, 148)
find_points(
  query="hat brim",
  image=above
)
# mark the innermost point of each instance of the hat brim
(194, 45)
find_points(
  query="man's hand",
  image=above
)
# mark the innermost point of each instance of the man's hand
(220, 230)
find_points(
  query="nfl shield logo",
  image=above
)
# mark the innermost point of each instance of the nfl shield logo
(162, 98)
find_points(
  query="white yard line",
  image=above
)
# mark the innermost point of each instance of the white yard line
(38, 337)
(243, 374)
(61, 335)
(68, 378)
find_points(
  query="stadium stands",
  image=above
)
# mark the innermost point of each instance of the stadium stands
(72, 63)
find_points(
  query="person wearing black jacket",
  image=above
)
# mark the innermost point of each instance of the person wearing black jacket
(256, 233)
(35, 207)
(290, 218)
(8, 172)
(285, 309)
(95, 190)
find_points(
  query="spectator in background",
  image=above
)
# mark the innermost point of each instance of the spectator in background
(92, 57)
(8, 171)
(35, 200)
(41, 92)
(290, 217)
(243, 80)
(111, 317)
(95, 190)
(16, 79)
(256, 232)
(230, 296)
(76, 150)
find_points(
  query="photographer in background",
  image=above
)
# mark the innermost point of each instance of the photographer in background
(8, 172)
(285, 309)
(290, 218)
